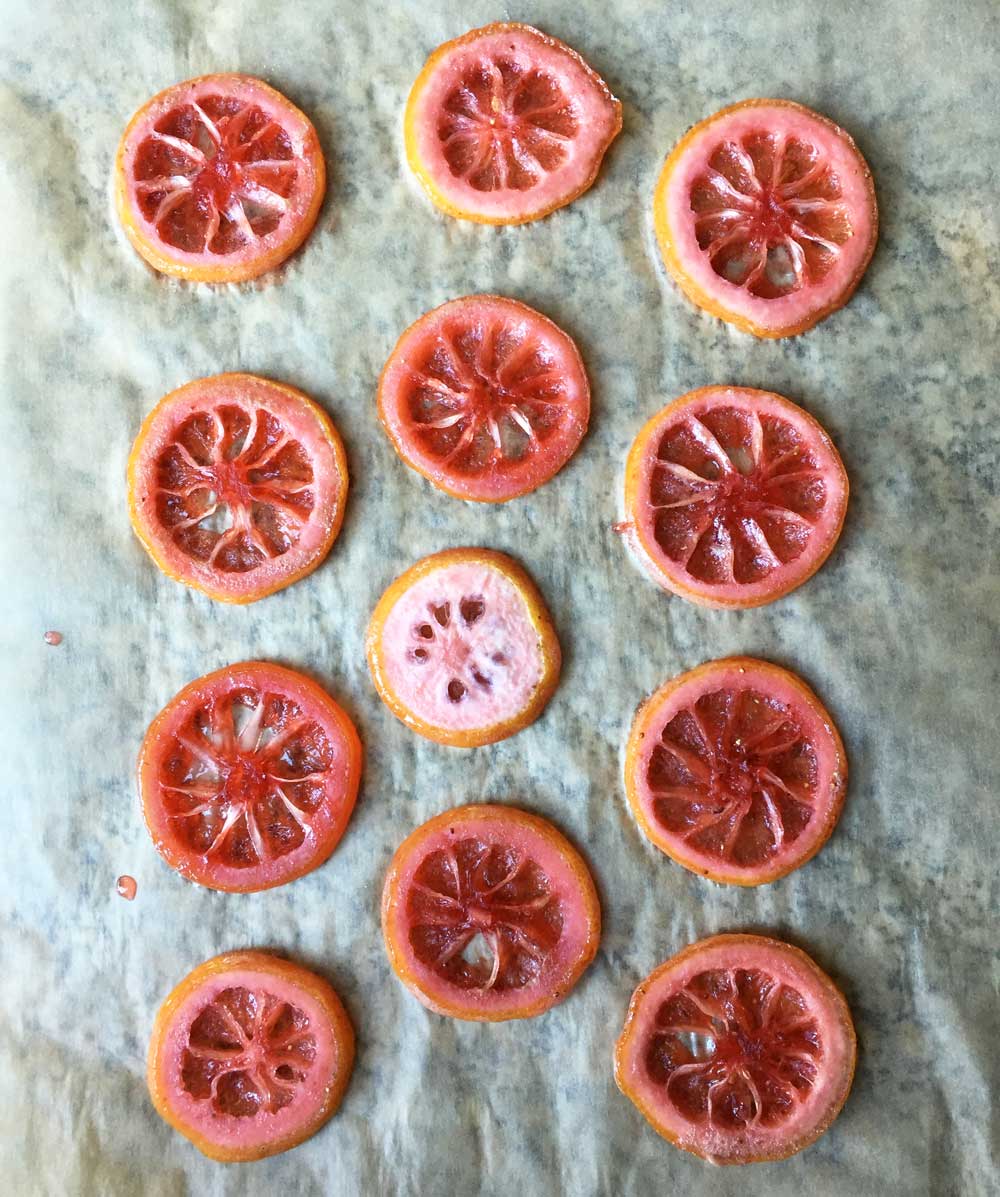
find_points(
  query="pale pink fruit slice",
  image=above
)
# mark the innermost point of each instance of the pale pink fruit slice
(485, 397)
(505, 124)
(219, 179)
(733, 496)
(489, 913)
(739, 1049)
(250, 1054)
(736, 770)
(462, 649)
(766, 216)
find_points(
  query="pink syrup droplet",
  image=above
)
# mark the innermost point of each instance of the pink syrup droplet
(53, 638)
(127, 887)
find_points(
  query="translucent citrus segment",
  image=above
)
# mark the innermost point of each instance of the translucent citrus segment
(249, 1056)
(505, 124)
(733, 497)
(739, 1049)
(237, 486)
(485, 397)
(248, 777)
(462, 649)
(218, 179)
(766, 216)
(489, 913)
(736, 771)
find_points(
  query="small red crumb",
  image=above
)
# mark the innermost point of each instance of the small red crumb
(53, 638)
(126, 886)
(622, 527)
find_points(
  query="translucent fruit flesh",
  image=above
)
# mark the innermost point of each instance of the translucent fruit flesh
(247, 1052)
(766, 216)
(248, 777)
(482, 916)
(738, 1049)
(234, 489)
(489, 913)
(736, 496)
(736, 771)
(214, 175)
(505, 124)
(250, 1055)
(735, 1047)
(769, 214)
(237, 485)
(218, 179)
(485, 397)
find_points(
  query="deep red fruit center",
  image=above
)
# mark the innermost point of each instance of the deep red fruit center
(769, 213)
(487, 395)
(244, 779)
(737, 495)
(234, 489)
(735, 777)
(245, 783)
(483, 916)
(248, 1051)
(735, 1048)
(504, 126)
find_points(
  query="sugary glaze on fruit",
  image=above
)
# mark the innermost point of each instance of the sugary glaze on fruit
(505, 124)
(244, 777)
(234, 488)
(214, 174)
(766, 216)
(482, 915)
(769, 213)
(734, 776)
(736, 1048)
(247, 1053)
(486, 397)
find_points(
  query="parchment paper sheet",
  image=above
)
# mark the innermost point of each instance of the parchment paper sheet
(898, 632)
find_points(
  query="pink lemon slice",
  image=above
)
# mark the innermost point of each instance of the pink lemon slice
(736, 770)
(765, 214)
(237, 486)
(733, 497)
(485, 397)
(218, 179)
(462, 649)
(739, 1049)
(505, 124)
(489, 913)
(249, 1056)
(248, 777)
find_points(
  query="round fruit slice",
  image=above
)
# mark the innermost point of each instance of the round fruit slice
(489, 913)
(218, 179)
(736, 770)
(766, 216)
(733, 497)
(462, 649)
(250, 1055)
(504, 125)
(237, 486)
(248, 777)
(485, 397)
(738, 1049)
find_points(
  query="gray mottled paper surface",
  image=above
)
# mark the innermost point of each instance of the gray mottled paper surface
(898, 632)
